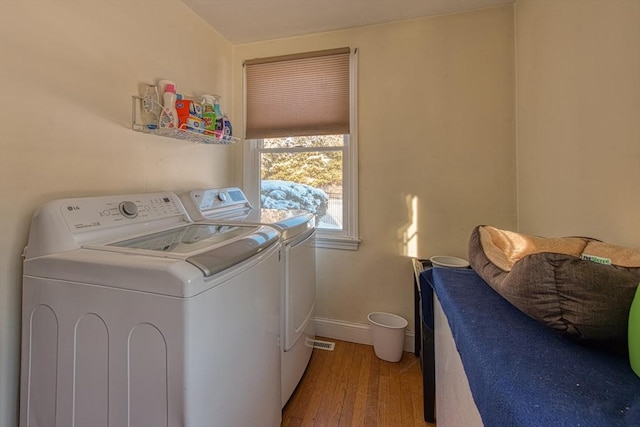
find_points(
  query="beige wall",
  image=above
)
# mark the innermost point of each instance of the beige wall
(578, 112)
(436, 123)
(68, 70)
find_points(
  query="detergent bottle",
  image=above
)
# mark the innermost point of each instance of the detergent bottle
(169, 114)
(227, 130)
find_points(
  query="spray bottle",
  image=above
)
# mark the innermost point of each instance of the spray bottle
(208, 114)
(219, 127)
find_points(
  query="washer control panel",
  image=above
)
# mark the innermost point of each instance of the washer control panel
(101, 212)
(128, 209)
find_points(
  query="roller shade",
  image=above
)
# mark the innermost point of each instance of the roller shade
(298, 95)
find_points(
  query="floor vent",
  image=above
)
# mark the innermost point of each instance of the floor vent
(323, 345)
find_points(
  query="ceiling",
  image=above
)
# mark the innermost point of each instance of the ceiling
(246, 21)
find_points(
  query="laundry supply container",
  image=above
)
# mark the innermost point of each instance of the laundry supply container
(387, 334)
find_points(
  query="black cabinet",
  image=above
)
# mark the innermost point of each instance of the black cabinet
(424, 340)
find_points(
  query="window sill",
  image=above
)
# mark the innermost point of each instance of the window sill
(344, 243)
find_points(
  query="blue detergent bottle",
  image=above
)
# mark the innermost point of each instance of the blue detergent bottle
(227, 129)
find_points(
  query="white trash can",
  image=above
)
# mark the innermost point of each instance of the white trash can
(387, 334)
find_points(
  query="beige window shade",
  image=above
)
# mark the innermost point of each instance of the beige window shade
(298, 95)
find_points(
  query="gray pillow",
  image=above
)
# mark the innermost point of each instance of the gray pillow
(584, 299)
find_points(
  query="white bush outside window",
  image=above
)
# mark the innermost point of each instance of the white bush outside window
(301, 165)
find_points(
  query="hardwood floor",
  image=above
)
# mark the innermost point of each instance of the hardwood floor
(350, 386)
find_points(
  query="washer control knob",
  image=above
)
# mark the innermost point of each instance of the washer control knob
(129, 209)
(222, 197)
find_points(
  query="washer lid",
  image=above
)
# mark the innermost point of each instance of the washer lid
(185, 239)
(212, 248)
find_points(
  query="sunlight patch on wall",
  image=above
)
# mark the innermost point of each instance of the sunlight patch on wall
(409, 236)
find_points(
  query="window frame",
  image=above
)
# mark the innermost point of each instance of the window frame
(347, 238)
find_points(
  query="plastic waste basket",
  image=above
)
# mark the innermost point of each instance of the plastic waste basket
(387, 334)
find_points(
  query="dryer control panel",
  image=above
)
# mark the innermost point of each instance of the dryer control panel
(216, 203)
(216, 198)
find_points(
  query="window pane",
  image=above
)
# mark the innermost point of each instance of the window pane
(309, 180)
(304, 141)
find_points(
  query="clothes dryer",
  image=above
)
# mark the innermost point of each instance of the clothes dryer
(134, 316)
(297, 229)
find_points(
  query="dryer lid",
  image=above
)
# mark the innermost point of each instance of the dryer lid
(290, 222)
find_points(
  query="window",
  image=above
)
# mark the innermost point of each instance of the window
(300, 149)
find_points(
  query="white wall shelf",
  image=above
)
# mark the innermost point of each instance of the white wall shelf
(182, 134)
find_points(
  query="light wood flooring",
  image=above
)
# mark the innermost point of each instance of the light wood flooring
(350, 386)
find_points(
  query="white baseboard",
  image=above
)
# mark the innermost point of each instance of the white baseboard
(354, 332)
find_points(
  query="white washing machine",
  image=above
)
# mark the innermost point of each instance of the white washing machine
(134, 316)
(297, 228)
